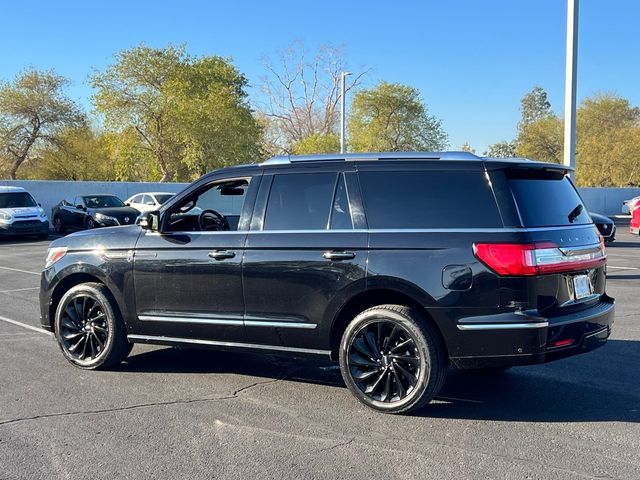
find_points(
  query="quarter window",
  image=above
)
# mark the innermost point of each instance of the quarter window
(300, 201)
(428, 199)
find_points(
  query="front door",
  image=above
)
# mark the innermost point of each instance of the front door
(188, 279)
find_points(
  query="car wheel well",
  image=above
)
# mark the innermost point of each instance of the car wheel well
(366, 300)
(63, 287)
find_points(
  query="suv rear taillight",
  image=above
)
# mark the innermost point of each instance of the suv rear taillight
(526, 259)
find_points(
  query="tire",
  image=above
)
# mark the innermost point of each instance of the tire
(89, 329)
(393, 359)
(91, 224)
(57, 226)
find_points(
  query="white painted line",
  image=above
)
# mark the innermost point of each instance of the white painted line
(24, 325)
(21, 271)
(19, 289)
(623, 268)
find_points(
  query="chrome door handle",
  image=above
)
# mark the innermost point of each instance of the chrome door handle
(221, 254)
(339, 255)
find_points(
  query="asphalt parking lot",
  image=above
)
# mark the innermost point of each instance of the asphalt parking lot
(169, 413)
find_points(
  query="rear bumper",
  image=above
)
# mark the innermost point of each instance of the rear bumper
(526, 338)
(24, 228)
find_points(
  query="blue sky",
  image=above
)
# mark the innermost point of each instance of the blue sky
(471, 60)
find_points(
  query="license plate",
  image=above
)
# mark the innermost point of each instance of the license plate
(581, 286)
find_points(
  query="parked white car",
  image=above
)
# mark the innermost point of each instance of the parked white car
(20, 214)
(148, 201)
(629, 205)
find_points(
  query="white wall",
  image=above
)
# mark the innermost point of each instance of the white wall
(49, 192)
(607, 201)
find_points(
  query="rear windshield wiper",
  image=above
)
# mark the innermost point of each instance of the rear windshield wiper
(575, 213)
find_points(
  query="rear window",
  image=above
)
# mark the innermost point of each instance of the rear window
(546, 199)
(424, 199)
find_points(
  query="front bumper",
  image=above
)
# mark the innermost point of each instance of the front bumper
(25, 227)
(527, 338)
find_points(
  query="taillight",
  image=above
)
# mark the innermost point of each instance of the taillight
(526, 259)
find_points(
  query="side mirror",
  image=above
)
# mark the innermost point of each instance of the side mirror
(79, 207)
(150, 221)
(127, 204)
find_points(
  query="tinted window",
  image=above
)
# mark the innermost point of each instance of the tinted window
(340, 214)
(546, 199)
(423, 199)
(163, 197)
(136, 199)
(300, 201)
(16, 200)
(102, 201)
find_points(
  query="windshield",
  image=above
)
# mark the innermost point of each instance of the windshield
(16, 200)
(162, 198)
(102, 201)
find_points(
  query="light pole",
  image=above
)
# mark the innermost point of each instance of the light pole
(343, 75)
(570, 85)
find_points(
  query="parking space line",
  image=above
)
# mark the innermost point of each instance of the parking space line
(19, 289)
(623, 268)
(24, 325)
(21, 271)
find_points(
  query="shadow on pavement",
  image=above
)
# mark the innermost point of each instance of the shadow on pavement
(574, 390)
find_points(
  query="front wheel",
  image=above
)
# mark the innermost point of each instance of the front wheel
(89, 329)
(393, 359)
(91, 224)
(57, 226)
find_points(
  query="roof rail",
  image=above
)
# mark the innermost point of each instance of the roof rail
(353, 157)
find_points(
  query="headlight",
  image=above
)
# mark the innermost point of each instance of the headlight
(102, 218)
(5, 217)
(53, 255)
(43, 216)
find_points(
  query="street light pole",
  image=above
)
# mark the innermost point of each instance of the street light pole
(343, 75)
(570, 85)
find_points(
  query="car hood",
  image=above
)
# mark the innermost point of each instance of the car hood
(23, 212)
(598, 218)
(109, 238)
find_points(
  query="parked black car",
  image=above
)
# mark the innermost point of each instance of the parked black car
(374, 260)
(605, 226)
(90, 211)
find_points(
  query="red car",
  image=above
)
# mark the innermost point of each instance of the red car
(635, 220)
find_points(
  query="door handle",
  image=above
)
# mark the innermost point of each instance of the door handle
(221, 254)
(339, 255)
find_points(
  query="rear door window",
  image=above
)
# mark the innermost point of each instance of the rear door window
(300, 201)
(428, 199)
(546, 198)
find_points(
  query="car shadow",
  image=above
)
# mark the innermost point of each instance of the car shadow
(623, 277)
(596, 387)
(618, 244)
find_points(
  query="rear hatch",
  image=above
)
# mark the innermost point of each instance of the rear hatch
(562, 264)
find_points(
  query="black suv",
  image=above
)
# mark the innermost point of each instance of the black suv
(395, 264)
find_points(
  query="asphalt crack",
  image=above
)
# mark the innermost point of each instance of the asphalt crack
(235, 394)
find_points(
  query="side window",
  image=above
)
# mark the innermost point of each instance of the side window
(428, 199)
(136, 199)
(217, 207)
(147, 200)
(340, 213)
(78, 201)
(300, 201)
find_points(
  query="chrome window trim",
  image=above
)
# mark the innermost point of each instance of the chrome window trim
(195, 341)
(501, 326)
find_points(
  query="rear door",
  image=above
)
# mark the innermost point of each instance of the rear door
(303, 256)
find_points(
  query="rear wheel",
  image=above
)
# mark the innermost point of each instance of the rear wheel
(89, 329)
(57, 225)
(392, 359)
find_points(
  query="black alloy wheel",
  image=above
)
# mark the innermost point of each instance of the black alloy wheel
(89, 329)
(90, 223)
(392, 359)
(57, 225)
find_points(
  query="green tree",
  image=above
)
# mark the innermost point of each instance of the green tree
(608, 142)
(317, 143)
(466, 147)
(393, 117)
(190, 114)
(33, 111)
(534, 106)
(502, 149)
